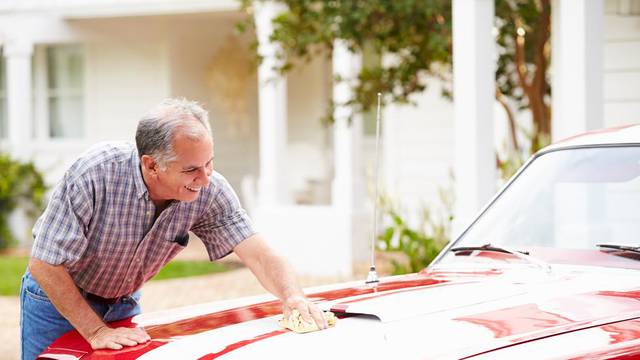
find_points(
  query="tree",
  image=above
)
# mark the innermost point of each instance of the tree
(523, 38)
(417, 35)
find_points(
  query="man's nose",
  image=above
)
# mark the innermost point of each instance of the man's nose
(203, 175)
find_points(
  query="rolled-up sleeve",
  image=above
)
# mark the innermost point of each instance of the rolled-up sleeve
(224, 223)
(59, 234)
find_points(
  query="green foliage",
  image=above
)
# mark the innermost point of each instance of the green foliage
(524, 54)
(419, 244)
(510, 15)
(508, 166)
(11, 270)
(417, 36)
(185, 268)
(415, 33)
(21, 185)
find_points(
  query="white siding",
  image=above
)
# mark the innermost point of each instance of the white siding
(622, 55)
(419, 140)
(621, 69)
(126, 73)
(123, 81)
(309, 150)
(114, 8)
(197, 49)
(622, 86)
(418, 149)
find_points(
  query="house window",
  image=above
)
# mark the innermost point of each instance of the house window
(64, 91)
(3, 98)
(622, 7)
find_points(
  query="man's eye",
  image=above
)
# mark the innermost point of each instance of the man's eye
(189, 171)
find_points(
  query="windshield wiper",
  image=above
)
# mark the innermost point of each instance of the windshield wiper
(634, 249)
(519, 254)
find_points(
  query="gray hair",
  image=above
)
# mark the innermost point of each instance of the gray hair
(156, 129)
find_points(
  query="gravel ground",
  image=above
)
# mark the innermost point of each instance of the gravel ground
(159, 295)
(9, 327)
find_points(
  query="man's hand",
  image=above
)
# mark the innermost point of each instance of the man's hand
(308, 310)
(115, 338)
(277, 276)
(65, 296)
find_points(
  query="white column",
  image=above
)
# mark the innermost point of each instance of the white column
(577, 51)
(348, 185)
(349, 188)
(19, 96)
(272, 111)
(577, 102)
(473, 91)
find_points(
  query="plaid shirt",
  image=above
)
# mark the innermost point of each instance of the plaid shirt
(100, 223)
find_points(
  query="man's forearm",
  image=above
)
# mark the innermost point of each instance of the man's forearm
(274, 272)
(277, 276)
(65, 296)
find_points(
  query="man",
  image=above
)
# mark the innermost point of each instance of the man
(119, 214)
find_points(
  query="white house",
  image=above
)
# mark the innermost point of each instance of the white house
(77, 72)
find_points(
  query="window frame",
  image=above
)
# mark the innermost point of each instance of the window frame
(42, 93)
(3, 98)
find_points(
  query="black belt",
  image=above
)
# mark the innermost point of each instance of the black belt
(99, 299)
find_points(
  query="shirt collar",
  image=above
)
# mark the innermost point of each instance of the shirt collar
(141, 187)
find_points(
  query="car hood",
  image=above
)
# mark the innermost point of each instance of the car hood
(439, 313)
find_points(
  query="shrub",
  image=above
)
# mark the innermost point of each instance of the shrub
(419, 244)
(21, 185)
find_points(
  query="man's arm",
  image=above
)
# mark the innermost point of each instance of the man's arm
(276, 275)
(65, 296)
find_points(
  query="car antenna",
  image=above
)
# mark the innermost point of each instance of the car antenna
(372, 276)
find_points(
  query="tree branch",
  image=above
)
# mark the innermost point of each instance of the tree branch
(540, 59)
(510, 118)
(521, 64)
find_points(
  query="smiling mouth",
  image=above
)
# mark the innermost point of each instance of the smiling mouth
(192, 189)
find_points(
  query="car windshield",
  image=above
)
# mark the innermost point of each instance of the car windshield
(569, 199)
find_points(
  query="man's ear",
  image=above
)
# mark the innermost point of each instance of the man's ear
(149, 164)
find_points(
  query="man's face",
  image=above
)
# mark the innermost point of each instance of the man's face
(183, 178)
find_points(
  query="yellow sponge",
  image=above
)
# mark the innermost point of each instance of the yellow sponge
(296, 323)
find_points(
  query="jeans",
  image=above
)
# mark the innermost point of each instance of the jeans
(41, 323)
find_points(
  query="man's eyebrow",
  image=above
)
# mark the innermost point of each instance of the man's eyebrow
(191, 167)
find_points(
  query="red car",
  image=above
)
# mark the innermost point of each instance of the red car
(549, 270)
